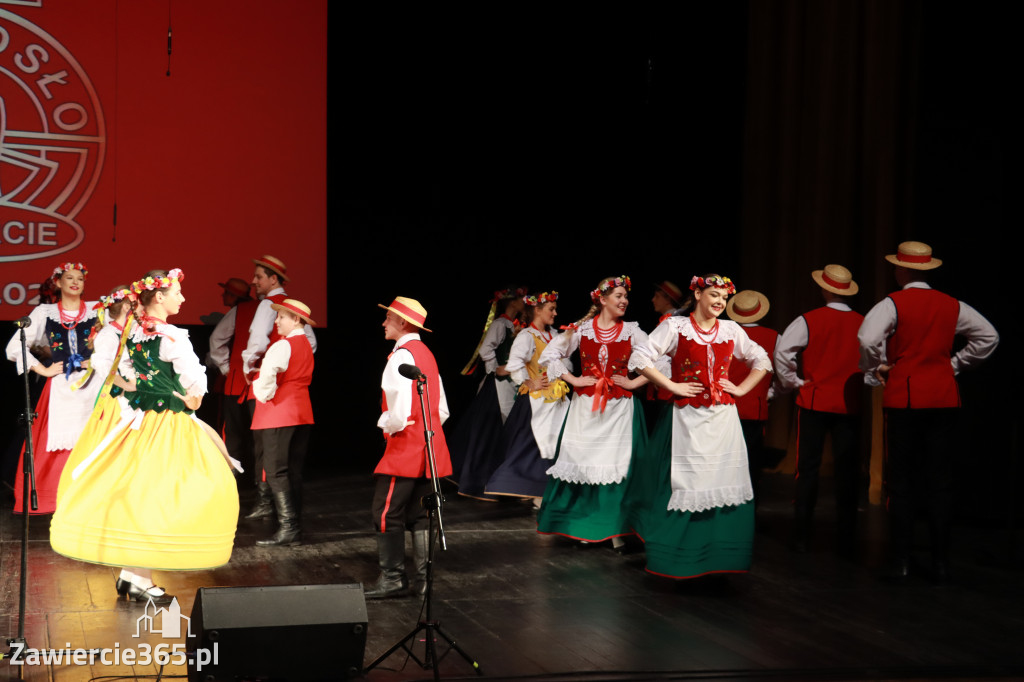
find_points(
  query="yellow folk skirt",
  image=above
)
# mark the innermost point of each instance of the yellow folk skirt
(154, 492)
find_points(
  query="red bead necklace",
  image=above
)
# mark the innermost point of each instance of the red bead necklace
(67, 320)
(607, 336)
(708, 336)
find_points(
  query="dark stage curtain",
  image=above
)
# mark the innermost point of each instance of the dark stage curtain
(829, 143)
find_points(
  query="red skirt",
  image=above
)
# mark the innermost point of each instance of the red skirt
(48, 464)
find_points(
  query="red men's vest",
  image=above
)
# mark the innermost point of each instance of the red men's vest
(831, 372)
(920, 351)
(405, 454)
(234, 382)
(605, 368)
(754, 405)
(690, 363)
(290, 405)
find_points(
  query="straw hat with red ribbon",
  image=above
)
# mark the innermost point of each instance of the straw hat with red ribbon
(295, 307)
(275, 265)
(914, 255)
(409, 309)
(837, 279)
(747, 306)
(673, 292)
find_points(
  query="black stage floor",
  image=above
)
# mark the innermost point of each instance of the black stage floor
(527, 606)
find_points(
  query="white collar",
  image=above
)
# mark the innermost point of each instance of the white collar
(917, 285)
(843, 307)
(406, 338)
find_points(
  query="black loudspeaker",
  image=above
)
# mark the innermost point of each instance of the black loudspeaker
(287, 632)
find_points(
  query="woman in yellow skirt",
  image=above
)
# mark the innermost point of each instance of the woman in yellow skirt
(156, 492)
(106, 350)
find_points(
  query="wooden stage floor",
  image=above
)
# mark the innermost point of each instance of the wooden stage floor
(544, 608)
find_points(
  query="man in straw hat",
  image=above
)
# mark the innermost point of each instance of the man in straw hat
(914, 361)
(818, 356)
(746, 308)
(283, 415)
(269, 276)
(667, 299)
(402, 475)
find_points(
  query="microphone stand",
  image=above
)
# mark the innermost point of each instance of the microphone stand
(433, 503)
(28, 495)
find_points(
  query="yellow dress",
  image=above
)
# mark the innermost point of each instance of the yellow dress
(148, 488)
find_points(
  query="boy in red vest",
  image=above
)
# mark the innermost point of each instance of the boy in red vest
(283, 415)
(402, 476)
(914, 361)
(818, 355)
(746, 308)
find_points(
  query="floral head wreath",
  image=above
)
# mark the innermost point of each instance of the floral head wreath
(715, 281)
(154, 283)
(540, 299)
(502, 294)
(119, 295)
(607, 285)
(64, 267)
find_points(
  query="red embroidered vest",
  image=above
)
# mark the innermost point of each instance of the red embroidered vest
(754, 405)
(707, 365)
(605, 366)
(831, 372)
(920, 351)
(405, 454)
(234, 381)
(290, 405)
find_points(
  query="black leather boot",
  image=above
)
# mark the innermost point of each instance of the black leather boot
(420, 557)
(288, 531)
(391, 554)
(264, 502)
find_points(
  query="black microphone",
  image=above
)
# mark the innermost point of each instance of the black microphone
(26, 322)
(411, 372)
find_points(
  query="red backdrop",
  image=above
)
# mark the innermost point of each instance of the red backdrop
(222, 161)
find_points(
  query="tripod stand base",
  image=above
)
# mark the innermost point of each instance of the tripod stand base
(433, 630)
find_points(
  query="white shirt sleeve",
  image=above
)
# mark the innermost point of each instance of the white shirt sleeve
(308, 331)
(176, 348)
(220, 341)
(496, 333)
(259, 335)
(982, 338)
(520, 354)
(104, 350)
(398, 393)
(33, 337)
(442, 404)
(877, 327)
(660, 344)
(750, 352)
(787, 354)
(555, 357)
(274, 362)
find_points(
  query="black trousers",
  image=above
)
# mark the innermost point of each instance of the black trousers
(238, 436)
(812, 427)
(257, 445)
(753, 434)
(284, 456)
(919, 446)
(396, 503)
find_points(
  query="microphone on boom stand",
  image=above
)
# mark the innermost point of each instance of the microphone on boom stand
(433, 504)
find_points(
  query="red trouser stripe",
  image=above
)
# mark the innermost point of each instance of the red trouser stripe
(387, 505)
